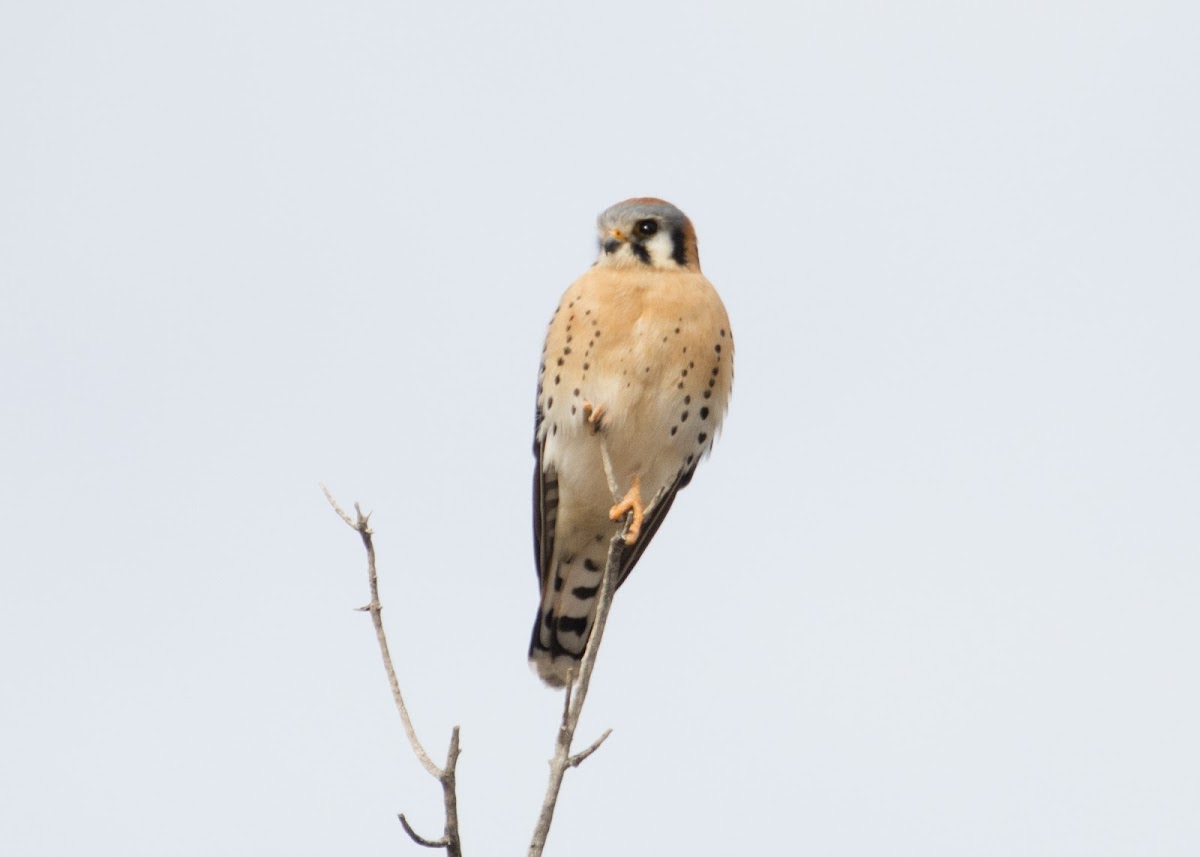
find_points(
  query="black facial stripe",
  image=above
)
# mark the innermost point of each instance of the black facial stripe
(641, 252)
(678, 247)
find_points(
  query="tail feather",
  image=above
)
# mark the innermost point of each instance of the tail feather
(565, 616)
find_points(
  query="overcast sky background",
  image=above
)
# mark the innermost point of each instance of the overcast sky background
(943, 567)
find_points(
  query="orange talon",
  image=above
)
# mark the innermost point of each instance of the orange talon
(593, 414)
(631, 502)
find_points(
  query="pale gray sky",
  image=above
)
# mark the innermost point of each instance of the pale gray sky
(944, 565)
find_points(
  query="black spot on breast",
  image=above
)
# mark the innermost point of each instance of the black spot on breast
(587, 366)
(708, 393)
(701, 437)
(560, 361)
(704, 413)
(673, 430)
(572, 410)
(687, 400)
(576, 393)
(589, 564)
(717, 348)
(557, 378)
(677, 330)
(558, 583)
(683, 417)
(585, 593)
(567, 350)
(554, 428)
(550, 403)
(722, 332)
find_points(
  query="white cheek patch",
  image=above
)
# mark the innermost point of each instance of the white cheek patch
(660, 248)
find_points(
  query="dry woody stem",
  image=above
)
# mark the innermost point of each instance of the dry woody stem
(574, 697)
(445, 775)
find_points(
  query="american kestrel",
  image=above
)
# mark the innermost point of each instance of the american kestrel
(638, 362)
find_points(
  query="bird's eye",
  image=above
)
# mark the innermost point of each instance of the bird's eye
(646, 228)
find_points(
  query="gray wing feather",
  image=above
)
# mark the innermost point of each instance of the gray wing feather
(545, 507)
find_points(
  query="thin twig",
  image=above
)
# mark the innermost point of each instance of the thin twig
(445, 776)
(341, 512)
(418, 838)
(577, 760)
(613, 488)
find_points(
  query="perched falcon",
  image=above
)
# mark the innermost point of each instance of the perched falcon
(639, 361)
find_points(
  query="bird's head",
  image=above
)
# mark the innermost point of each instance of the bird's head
(647, 231)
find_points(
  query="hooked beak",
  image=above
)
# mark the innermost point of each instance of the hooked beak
(614, 240)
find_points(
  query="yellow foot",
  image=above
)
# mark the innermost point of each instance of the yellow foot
(631, 502)
(593, 414)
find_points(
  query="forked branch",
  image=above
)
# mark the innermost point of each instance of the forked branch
(444, 775)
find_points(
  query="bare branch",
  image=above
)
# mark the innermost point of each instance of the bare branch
(418, 838)
(341, 512)
(573, 698)
(450, 797)
(577, 760)
(608, 472)
(573, 701)
(445, 776)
